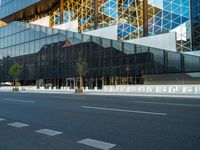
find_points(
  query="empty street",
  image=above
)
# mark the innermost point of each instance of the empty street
(31, 121)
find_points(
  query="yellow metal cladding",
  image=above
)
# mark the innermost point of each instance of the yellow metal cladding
(53, 15)
(81, 10)
(108, 12)
(2, 24)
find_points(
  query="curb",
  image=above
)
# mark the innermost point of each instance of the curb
(111, 94)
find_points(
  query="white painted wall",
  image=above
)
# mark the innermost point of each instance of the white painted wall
(42, 21)
(107, 32)
(181, 32)
(165, 41)
(69, 26)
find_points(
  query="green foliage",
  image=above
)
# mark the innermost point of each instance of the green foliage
(15, 71)
(81, 66)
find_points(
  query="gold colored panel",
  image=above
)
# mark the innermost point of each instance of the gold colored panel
(2, 24)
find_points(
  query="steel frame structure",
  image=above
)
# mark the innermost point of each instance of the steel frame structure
(133, 18)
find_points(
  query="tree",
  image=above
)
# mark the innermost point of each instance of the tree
(81, 66)
(15, 71)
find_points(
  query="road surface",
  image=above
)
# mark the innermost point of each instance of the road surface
(30, 121)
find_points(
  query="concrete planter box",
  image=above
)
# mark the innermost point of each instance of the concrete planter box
(15, 89)
(78, 90)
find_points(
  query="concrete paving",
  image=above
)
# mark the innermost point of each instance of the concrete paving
(105, 93)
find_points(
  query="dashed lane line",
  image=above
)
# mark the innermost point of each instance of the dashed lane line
(97, 144)
(18, 125)
(126, 111)
(2, 119)
(17, 100)
(49, 132)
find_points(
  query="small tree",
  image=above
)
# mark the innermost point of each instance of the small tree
(15, 71)
(81, 66)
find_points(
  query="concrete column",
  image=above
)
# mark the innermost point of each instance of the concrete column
(96, 82)
(102, 82)
(74, 83)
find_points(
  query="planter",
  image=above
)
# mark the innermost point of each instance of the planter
(15, 89)
(78, 90)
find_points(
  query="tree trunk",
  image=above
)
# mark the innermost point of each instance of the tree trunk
(81, 82)
(16, 83)
(13, 85)
(80, 88)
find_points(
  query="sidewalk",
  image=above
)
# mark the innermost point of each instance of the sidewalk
(105, 93)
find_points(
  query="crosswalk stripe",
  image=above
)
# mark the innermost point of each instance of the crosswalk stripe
(97, 144)
(18, 124)
(49, 132)
(1, 119)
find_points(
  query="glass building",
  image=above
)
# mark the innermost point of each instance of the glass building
(133, 18)
(195, 24)
(32, 35)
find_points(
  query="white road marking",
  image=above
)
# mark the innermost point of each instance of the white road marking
(1, 119)
(172, 104)
(97, 144)
(18, 124)
(16, 100)
(49, 132)
(122, 110)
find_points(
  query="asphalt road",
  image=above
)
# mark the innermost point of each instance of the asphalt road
(89, 122)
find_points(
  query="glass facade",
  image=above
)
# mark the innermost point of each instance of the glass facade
(50, 54)
(195, 24)
(163, 16)
(8, 7)
(171, 16)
